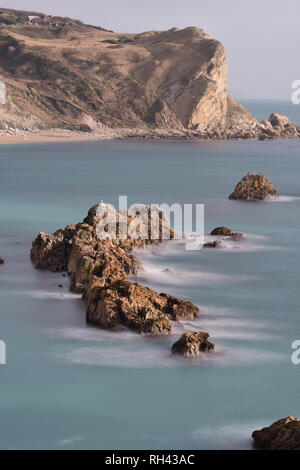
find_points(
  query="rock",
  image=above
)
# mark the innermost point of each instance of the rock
(279, 120)
(281, 435)
(214, 244)
(52, 252)
(252, 187)
(226, 232)
(267, 126)
(2, 260)
(99, 269)
(192, 344)
(137, 307)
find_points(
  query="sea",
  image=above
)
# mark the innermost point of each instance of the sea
(69, 385)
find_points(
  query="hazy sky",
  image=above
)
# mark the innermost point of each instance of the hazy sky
(260, 36)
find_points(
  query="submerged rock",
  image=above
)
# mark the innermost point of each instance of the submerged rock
(191, 344)
(281, 435)
(253, 187)
(214, 244)
(1, 260)
(99, 269)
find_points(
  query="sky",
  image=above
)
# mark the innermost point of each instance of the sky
(260, 36)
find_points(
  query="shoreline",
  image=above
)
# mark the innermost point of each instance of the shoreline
(50, 136)
(57, 135)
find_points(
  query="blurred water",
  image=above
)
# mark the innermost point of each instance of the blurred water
(69, 385)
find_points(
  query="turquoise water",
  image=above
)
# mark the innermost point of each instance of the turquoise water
(67, 385)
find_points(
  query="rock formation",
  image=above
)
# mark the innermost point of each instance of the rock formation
(278, 126)
(253, 187)
(226, 232)
(281, 435)
(68, 75)
(192, 344)
(100, 268)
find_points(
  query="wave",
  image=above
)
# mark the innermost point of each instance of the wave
(92, 334)
(164, 274)
(225, 324)
(235, 435)
(40, 294)
(132, 357)
(230, 328)
(69, 440)
(284, 198)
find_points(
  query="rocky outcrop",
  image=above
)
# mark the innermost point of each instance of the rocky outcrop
(253, 187)
(135, 306)
(281, 435)
(100, 269)
(276, 119)
(1, 260)
(51, 252)
(192, 344)
(278, 126)
(226, 232)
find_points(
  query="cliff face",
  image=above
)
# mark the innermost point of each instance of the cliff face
(60, 73)
(67, 74)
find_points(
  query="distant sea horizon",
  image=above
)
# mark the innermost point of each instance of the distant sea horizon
(261, 109)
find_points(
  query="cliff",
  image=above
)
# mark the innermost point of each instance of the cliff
(60, 73)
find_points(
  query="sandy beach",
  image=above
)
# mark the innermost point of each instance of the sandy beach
(52, 135)
(105, 133)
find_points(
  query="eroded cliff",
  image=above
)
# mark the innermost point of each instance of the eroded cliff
(67, 74)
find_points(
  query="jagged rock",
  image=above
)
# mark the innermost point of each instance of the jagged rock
(99, 269)
(1, 260)
(279, 120)
(214, 244)
(135, 306)
(281, 435)
(191, 344)
(252, 187)
(52, 252)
